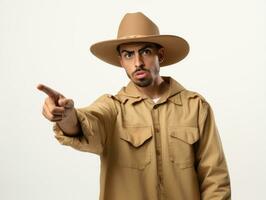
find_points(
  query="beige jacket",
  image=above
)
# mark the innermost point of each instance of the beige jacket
(170, 150)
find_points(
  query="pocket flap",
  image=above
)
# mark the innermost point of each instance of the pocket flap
(136, 135)
(187, 134)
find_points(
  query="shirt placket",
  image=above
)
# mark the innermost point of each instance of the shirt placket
(158, 149)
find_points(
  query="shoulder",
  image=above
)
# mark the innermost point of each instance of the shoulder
(189, 95)
(194, 101)
(104, 98)
(105, 102)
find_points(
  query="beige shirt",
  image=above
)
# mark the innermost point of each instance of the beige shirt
(169, 150)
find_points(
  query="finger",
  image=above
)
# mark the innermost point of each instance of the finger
(55, 110)
(50, 103)
(53, 103)
(49, 91)
(67, 103)
(56, 119)
(50, 116)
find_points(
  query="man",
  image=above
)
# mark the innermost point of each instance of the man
(156, 140)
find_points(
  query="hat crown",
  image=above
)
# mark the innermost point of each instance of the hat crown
(136, 24)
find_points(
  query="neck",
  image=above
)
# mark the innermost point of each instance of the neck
(156, 89)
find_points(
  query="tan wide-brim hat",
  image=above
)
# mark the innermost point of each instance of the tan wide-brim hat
(136, 27)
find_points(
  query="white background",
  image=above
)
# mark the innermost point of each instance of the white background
(47, 42)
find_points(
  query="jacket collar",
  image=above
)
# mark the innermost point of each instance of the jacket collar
(131, 93)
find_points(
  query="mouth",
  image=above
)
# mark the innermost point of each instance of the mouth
(141, 74)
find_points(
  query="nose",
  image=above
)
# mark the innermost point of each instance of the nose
(138, 60)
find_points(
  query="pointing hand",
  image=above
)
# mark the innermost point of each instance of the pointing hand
(56, 107)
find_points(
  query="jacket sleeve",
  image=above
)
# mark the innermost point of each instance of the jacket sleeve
(96, 121)
(211, 166)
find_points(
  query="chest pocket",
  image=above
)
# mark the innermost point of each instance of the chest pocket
(181, 140)
(134, 147)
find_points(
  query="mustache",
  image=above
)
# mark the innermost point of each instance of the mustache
(141, 68)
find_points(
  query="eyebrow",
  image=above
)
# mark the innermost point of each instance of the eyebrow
(126, 51)
(140, 50)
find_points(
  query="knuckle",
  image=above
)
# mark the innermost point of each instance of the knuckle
(53, 110)
(48, 115)
(70, 103)
(53, 118)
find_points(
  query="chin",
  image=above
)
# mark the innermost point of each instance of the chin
(143, 82)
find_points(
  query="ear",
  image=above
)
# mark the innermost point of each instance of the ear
(161, 55)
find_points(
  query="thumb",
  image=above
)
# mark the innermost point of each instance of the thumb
(67, 103)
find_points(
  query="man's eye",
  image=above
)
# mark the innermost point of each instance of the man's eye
(146, 52)
(128, 55)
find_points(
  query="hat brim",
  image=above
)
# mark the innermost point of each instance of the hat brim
(176, 48)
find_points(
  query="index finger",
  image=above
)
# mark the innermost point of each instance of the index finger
(49, 91)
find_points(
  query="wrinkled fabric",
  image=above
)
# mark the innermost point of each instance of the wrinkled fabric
(169, 150)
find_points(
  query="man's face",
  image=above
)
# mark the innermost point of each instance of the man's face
(141, 62)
